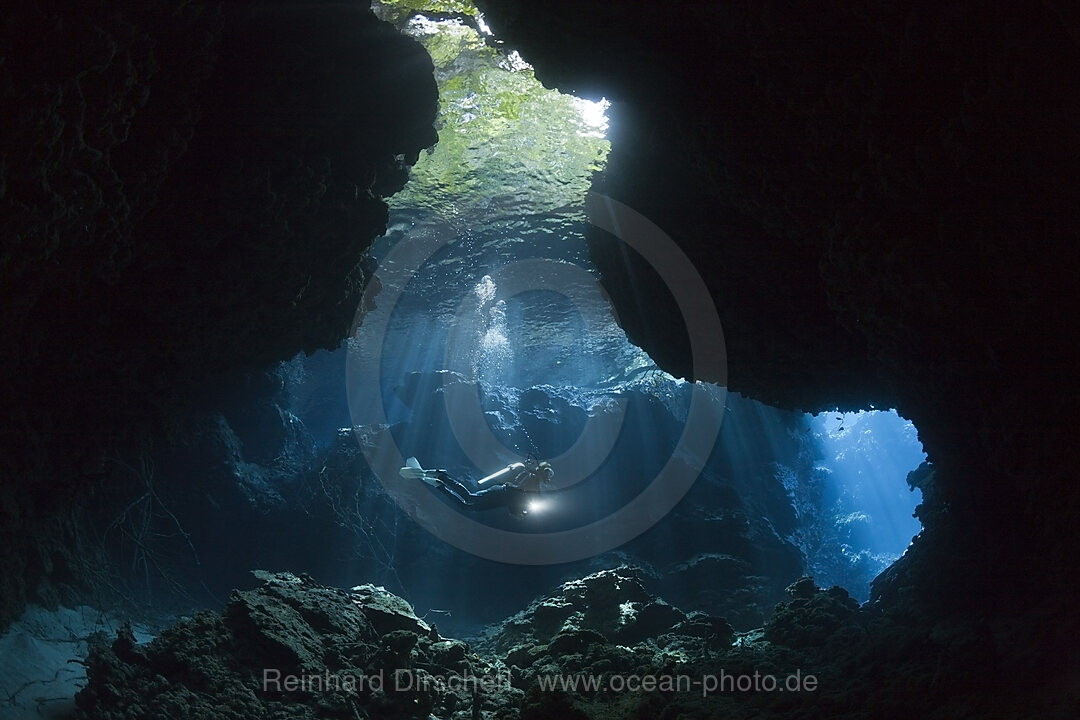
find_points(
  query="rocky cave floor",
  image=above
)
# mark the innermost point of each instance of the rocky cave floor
(292, 648)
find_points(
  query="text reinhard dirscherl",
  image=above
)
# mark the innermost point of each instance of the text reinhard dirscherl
(404, 680)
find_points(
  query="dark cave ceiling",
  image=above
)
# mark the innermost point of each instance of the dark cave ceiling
(882, 200)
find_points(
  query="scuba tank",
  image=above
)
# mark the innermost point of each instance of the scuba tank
(508, 473)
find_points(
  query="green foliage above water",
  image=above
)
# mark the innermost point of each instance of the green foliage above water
(507, 145)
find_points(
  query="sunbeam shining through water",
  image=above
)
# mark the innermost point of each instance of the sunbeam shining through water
(490, 342)
(864, 458)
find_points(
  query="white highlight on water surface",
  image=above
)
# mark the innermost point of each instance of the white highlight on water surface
(420, 25)
(514, 62)
(480, 23)
(594, 115)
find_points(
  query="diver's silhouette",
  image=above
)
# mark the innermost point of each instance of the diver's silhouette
(516, 487)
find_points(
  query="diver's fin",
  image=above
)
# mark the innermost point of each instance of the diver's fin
(413, 471)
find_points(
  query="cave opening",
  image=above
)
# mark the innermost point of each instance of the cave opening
(868, 519)
(488, 340)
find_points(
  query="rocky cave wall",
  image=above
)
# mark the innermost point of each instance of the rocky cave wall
(882, 200)
(186, 192)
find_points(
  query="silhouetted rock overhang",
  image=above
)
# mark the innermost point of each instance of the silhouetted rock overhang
(186, 192)
(882, 200)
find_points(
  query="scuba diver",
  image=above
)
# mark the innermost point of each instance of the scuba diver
(516, 487)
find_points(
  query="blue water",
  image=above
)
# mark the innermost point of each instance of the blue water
(864, 459)
(520, 335)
